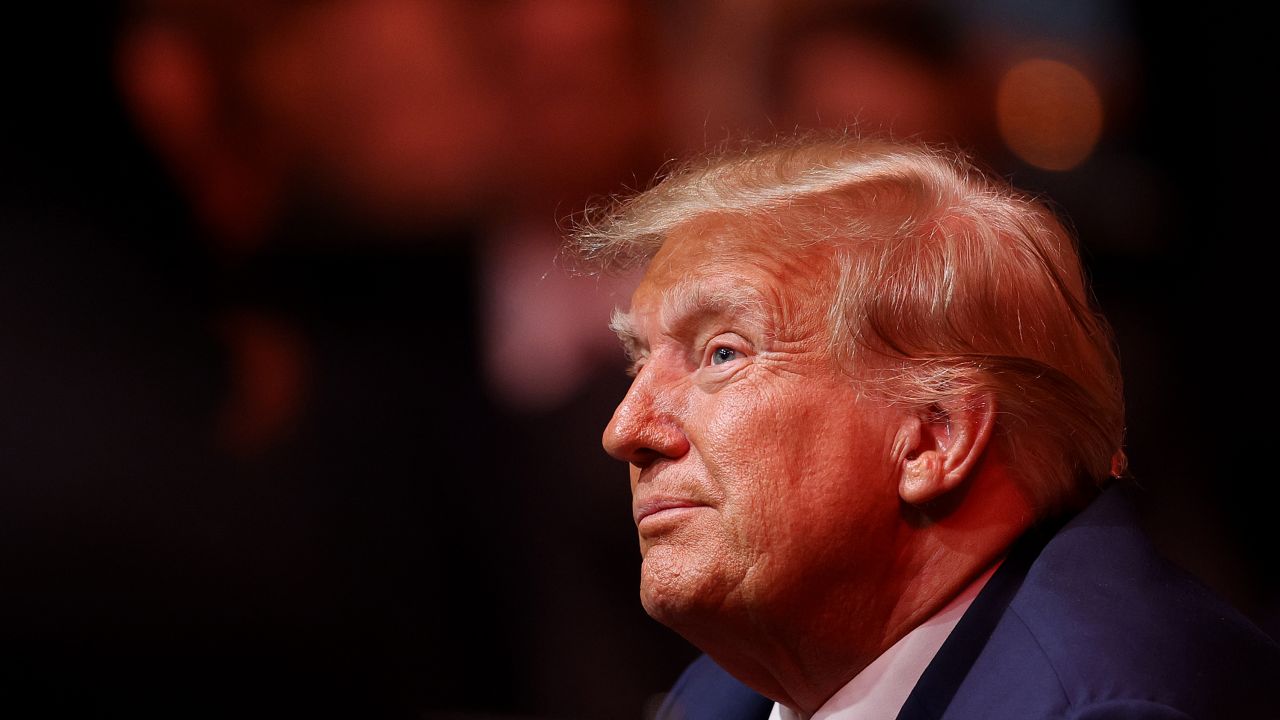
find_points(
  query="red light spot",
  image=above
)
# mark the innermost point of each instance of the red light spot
(1049, 113)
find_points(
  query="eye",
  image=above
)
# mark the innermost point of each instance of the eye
(723, 355)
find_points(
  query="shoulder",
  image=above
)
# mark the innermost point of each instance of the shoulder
(706, 691)
(1111, 629)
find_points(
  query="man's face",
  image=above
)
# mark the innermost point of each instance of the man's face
(762, 479)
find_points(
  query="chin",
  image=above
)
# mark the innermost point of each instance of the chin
(677, 612)
(676, 589)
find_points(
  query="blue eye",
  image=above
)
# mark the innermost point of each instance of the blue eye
(723, 355)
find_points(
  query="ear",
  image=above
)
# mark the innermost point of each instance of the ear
(939, 448)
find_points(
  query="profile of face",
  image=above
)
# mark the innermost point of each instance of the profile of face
(757, 465)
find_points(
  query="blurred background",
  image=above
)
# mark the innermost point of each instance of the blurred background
(300, 414)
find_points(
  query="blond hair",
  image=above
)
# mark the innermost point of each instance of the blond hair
(962, 286)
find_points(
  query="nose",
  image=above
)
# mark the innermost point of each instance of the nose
(643, 431)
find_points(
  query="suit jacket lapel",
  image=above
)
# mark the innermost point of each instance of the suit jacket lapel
(944, 675)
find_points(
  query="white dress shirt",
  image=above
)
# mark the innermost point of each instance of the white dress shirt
(881, 689)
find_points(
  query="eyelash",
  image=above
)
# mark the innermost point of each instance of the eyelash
(716, 353)
(636, 360)
(716, 347)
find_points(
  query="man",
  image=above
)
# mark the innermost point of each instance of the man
(869, 388)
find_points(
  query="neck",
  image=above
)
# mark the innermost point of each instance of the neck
(805, 656)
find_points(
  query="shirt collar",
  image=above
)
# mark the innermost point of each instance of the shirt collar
(881, 689)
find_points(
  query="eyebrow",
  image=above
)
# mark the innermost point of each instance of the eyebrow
(624, 326)
(689, 302)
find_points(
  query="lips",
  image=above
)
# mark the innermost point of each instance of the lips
(655, 505)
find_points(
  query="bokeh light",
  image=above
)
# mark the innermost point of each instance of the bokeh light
(1049, 113)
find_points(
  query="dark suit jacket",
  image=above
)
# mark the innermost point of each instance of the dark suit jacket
(1081, 622)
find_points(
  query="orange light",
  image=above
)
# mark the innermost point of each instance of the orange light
(1049, 113)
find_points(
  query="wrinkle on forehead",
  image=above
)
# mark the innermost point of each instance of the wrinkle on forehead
(718, 295)
(728, 267)
(693, 298)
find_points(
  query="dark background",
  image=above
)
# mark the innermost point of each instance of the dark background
(300, 415)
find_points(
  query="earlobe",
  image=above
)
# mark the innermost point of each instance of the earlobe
(939, 449)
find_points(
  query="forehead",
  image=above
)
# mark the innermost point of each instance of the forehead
(718, 256)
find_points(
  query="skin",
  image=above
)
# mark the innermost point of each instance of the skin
(769, 490)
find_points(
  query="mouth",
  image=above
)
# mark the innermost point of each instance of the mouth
(661, 506)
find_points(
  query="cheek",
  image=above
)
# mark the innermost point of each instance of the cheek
(762, 430)
(803, 474)
(753, 450)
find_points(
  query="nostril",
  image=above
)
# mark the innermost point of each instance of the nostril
(641, 430)
(629, 449)
(643, 443)
(643, 457)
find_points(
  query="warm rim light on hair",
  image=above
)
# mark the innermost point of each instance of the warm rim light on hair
(957, 283)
